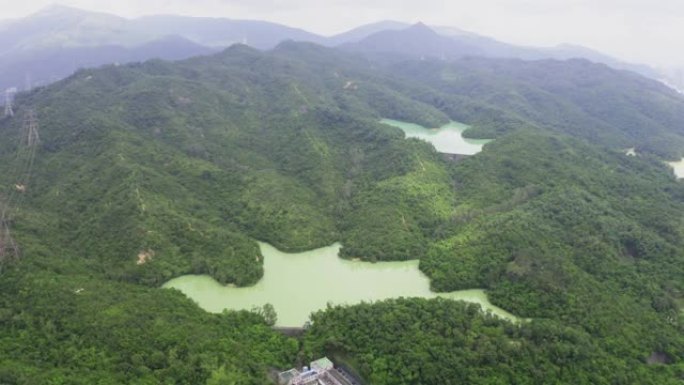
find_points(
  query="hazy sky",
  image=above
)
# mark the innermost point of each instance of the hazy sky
(648, 31)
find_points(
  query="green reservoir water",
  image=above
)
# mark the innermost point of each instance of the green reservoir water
(446, 139)
(299, 284)
(678, 168)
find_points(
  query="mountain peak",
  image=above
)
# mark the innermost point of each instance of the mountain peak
(421, 26)
(362, 32)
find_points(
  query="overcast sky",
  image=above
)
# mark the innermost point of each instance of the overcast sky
(646, 31)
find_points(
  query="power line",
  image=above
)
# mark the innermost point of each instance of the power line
(9, 249)
(28, 142)
(30, 136)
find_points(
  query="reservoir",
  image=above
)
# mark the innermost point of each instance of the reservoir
(678, 168)
(447, 139)
(299, 284)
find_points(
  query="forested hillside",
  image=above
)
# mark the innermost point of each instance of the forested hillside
(576, 97)
(410, 341)
(150, 171)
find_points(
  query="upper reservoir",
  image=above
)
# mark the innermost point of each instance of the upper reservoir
(447, 139)
(299, 284)
(678, 168)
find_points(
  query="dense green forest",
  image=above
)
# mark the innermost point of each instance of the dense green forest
(78, 329)
(582, 99)
(150, 171)
(409, 341)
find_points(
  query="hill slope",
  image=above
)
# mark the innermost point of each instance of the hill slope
(576, 97)
(252, 127)
(149, 171)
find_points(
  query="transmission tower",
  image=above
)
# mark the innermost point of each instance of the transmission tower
(30, 137)
(8, 101)
(29, 140)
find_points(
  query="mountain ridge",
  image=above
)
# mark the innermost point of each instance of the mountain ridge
(189, 163)
(105, 29)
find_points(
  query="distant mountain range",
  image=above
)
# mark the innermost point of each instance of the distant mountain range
(450, 43)
(53, 43)
(40, 67)
(59, 26)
